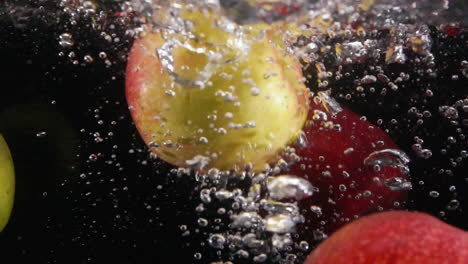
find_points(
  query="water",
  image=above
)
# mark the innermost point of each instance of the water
(400, 65)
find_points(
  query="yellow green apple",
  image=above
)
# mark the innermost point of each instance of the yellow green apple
(7, 183)
(215, 99)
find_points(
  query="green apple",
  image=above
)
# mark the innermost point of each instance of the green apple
(215, 99)
(7, 183)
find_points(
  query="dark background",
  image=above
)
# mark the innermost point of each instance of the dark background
(120, 206)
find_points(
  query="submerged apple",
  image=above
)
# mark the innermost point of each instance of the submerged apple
(7, 183)
(356, 166)
(394, 237)
(207, 98)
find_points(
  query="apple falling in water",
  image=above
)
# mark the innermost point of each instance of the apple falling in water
(7, 183)
(211, 99)
(355, 165)
(394, 237)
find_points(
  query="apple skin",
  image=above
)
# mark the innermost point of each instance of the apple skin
(394, 237)
(181, 121)
(7, 183)
(325, 161)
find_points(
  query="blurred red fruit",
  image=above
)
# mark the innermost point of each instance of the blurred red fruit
(354, 164)
(394, 237)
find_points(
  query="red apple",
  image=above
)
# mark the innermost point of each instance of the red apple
(342, 160)
(394, 237)
(208, 98)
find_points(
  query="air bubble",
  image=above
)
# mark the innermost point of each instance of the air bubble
(287, 187)
(66, 40)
